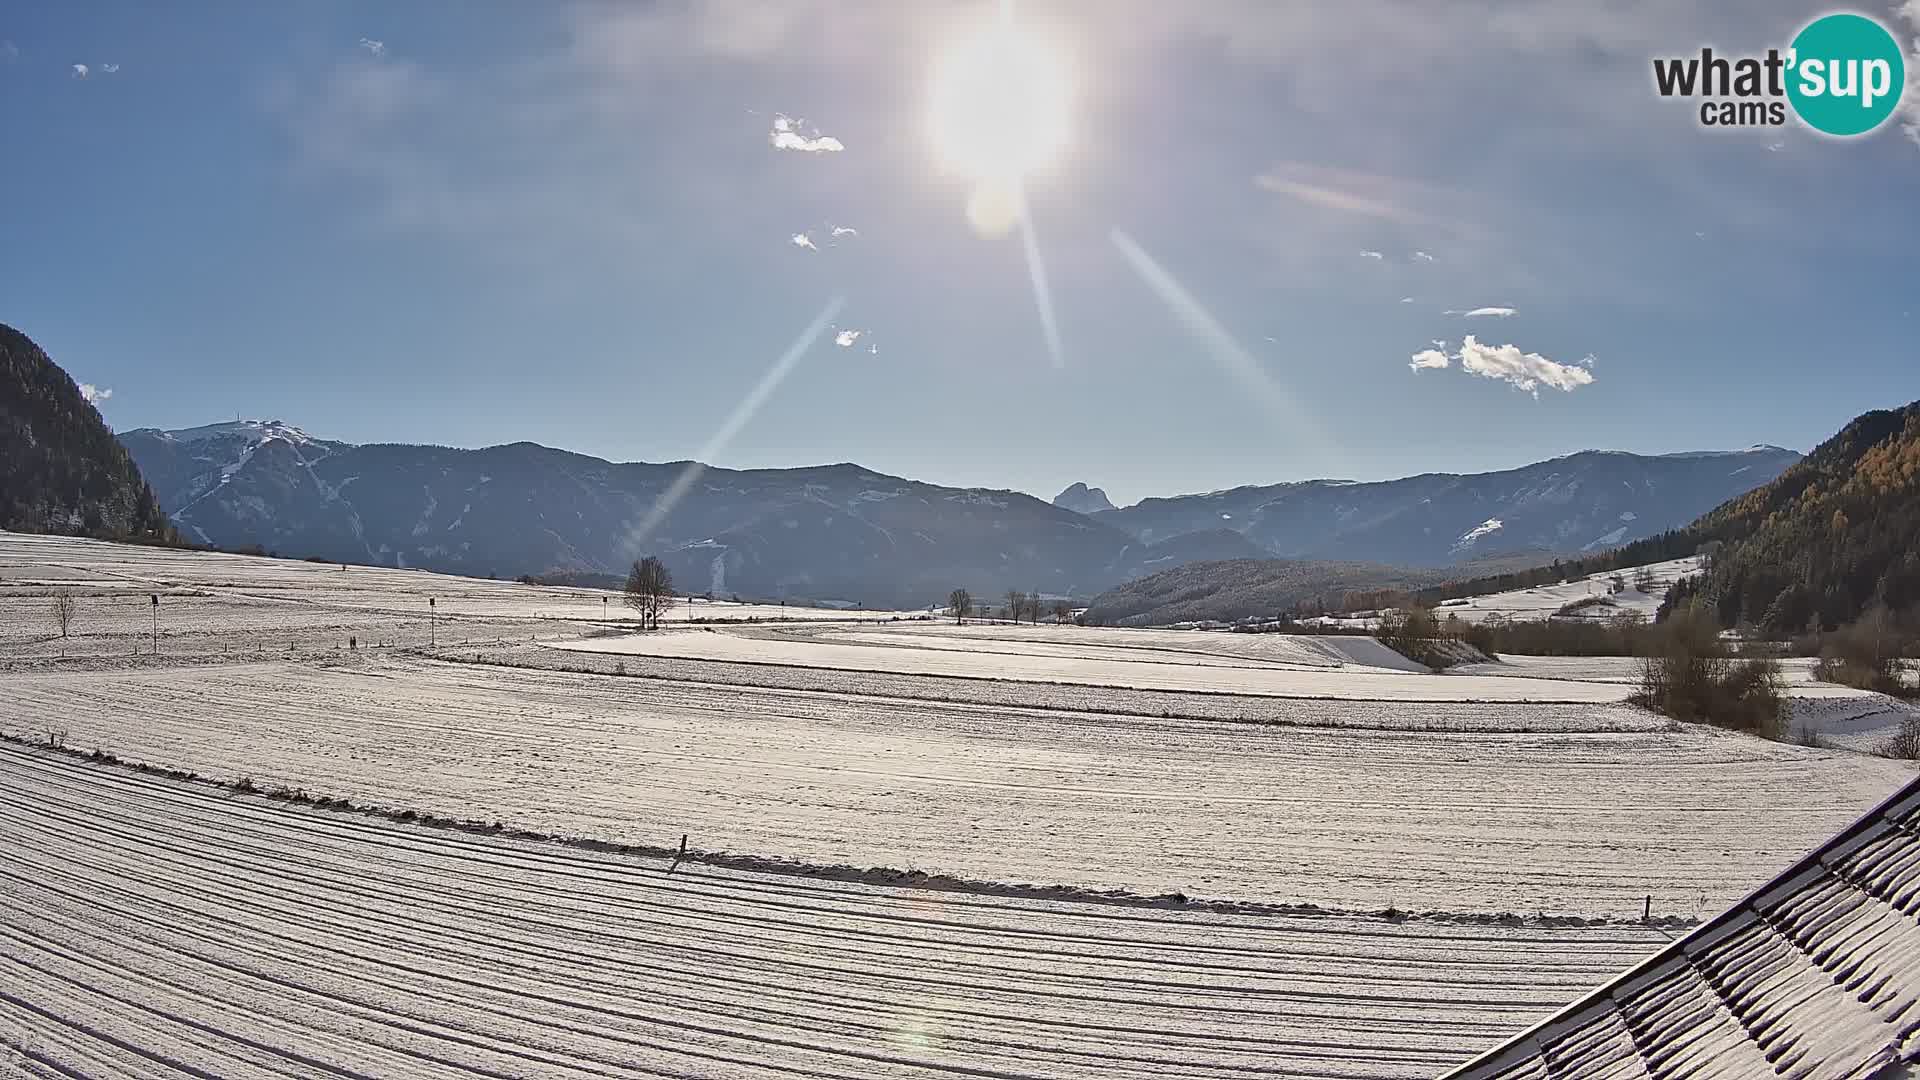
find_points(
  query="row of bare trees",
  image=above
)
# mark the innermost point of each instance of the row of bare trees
(1020, 605)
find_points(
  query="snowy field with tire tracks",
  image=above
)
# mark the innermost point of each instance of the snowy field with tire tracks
(1475, 848)
(158, 928)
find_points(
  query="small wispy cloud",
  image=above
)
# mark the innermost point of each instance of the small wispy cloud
(1776, 147)
(873, 349)
(846, 338)
(1421, 256)
(1484, 312)
(801, 239)
(9, 52)
(1507, 363)
(1406, 299)
(79, 71)
(844, 230)
(110, 68)
(787, 135)
(95, 394)
(1372, 255)
(374, 48)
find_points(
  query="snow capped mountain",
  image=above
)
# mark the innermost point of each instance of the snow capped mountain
(1582, 502)
(846, 533)
(832, 532)
(1082, 499)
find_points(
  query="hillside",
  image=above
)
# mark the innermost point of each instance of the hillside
(1825, 540)
(1585, 502)
(1240, 589)
(61, 471)
(1832, 536)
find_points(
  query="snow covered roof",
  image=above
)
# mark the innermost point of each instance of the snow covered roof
(1815, 975)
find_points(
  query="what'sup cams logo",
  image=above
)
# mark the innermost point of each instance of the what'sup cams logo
(1843, 75)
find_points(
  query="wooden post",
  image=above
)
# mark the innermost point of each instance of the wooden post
(1646, 914)
(679, 855)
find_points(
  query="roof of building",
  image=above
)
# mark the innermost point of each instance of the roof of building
(1815, 975)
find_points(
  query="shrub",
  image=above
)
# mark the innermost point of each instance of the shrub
(1688, 675)
(1904, 743)
(1864, 654)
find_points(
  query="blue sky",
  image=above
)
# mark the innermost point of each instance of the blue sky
(567, 223)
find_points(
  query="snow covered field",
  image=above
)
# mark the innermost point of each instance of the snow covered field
(211, 602)
(156, 927)
(151, 926)
(1566, 822)
(1302, 667)
(1541, 602)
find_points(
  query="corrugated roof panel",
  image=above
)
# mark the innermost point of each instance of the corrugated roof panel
(1685, 1030)
(1816, 976)
(1802, 1021)
(1599, 1048)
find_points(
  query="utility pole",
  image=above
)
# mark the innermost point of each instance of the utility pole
(154, 600)
(433, 635)
(603, 610)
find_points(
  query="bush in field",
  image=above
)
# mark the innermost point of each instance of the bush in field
(1904, 743)
(1864, 654)
(1687, 674)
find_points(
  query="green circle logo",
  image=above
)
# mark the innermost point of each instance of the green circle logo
(1845, 74)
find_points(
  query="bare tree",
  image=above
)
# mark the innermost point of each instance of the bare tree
(959, 605)
(1062, 611)
(1016, 604)
(649, 591)
(63, 611)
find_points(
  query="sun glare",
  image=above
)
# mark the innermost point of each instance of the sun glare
(1000, 103)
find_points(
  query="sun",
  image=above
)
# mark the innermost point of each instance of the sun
(1000, 104)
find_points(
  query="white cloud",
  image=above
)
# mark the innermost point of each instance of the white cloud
(844, 230)
(79, 71)
(110, 68)
(786, 135)
(374, 48)
(1524, 370)
(95, 394)
(1776, 147)
(9, 52)
(1423, 256)
(801, 239)
(846, 338)
(1371, 255)
(1406, 299)
(1485, 312)
(873, 350)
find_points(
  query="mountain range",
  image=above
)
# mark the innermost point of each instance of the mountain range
(845, 533)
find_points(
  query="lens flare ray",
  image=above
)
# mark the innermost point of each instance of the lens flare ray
(737, 419)
(1236, 361)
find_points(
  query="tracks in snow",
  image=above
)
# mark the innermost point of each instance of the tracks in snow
(155, 928)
